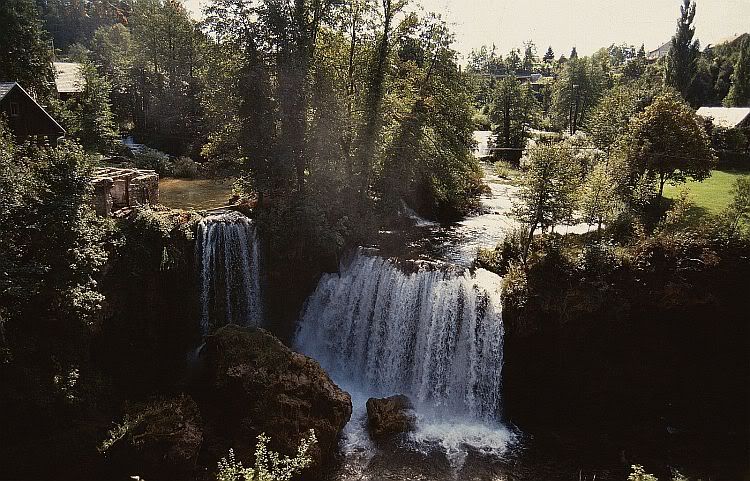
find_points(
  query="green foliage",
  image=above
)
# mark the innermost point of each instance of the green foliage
(164, 82)
(500, 259)
(612, 114)
(735, 219)
(638, 473)
(598, 201)
(24, 53)
(684, 53)
(514, 111)
(155, 240)
(739, 93)
(111, 51)
(53, 250)
(664, 143)
(503, 169)
(89, 116)
(548, 190)
(576, 91)
(72, 22)
(269, 465)
(153, 159)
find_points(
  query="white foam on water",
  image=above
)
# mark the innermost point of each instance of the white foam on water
(429, 331)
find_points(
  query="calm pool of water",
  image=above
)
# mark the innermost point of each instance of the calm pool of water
(195, 194)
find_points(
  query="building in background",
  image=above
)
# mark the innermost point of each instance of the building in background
(26, 119)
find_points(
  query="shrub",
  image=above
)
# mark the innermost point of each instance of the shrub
(269, 465)
(153, 159)
(185, 167)
(509, 250)
(503, 169)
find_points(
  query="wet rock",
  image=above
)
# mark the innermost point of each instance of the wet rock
(158, 440)
(390, 415)
(258, 385)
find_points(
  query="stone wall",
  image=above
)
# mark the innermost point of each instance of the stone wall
(117, 188)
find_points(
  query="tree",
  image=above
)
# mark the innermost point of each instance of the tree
(549, 57)
(25, 53)
(573, 54)
(529, 56)
(375, 93)
(89, 118)
(598, 200)
(513, 62)
(684, 52)
(739, 93)
(111, 51)
(429, 162)
(666, 143)
(576, 91)
(514, 110)
(612, 114)
(52, 251)
(548, 191)
(164, 83)
(737, 213)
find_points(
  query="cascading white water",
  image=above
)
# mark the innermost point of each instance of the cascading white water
(432, 334)
(228, 256)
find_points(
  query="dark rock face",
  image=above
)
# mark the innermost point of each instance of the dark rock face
(162, 441)
(258, 385)
(391, 415)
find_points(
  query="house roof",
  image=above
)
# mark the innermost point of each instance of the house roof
(5, 88)
(660, 52)
(68, 77)
(728, 117)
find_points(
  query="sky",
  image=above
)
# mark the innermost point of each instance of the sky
(586, 24)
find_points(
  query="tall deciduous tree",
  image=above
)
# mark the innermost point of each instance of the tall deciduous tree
(514, 110)
(598, 197)
(739, 92)
(666, 143)
(610, 118)
(683, 54)
(25, 49)
(548, 190)
(89, 118)
(375, 93)
(576, 91)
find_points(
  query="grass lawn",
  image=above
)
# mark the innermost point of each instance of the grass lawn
(713, 194)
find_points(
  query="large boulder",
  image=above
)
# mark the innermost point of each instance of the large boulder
(391, 415)
(157, 440)
(258, 385)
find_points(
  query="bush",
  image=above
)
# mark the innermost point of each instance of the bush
(499, 259)
(185, 167)
(503, 169)
(269, 465)
(153, 159)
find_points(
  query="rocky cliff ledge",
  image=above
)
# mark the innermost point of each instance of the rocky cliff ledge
(258, 385)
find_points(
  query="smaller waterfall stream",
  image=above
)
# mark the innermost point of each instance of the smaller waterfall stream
(227, 253)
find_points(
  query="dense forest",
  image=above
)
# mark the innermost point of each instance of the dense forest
(333, 118)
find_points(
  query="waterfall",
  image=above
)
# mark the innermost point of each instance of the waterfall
(433, 333)
(228, 258)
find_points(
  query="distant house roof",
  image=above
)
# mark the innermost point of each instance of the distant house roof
(68, 77)
(660, 52)
(728, 117)
(5, 88)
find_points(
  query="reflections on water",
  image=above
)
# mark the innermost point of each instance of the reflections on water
(195, 194)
